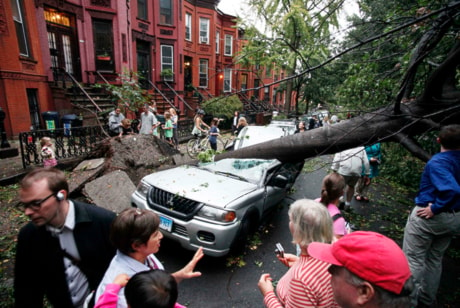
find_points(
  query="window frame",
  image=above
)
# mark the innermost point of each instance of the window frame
(22, 36)
(164, 64)
(188, 26)
(144, 5)
(227, 80)
(203, 73)
(228, 45)
(217, 42)
(166, 12)
(204, 39)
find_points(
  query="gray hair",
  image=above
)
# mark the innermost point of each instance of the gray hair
(311, 222)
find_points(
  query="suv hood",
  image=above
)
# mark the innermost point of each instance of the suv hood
(200, 185)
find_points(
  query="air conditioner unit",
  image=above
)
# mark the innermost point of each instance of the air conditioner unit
(203, 39)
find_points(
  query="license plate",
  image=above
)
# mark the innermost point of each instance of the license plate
(166, 223)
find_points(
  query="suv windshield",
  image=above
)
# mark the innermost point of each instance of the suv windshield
(252, 170)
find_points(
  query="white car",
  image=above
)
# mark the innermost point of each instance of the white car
(289, 126)
(215, 205)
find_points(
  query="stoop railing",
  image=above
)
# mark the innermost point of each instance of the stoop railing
(68, 143)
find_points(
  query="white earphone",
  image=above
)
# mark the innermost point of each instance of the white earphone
(60, 196)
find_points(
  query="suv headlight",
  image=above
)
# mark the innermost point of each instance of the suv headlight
(213, 213)
(143, 189)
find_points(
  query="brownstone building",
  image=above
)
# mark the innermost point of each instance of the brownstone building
(46, 45)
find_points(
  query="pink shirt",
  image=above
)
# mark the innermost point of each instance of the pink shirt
(339, 224)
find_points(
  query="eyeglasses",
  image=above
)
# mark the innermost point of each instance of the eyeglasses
(34, 205)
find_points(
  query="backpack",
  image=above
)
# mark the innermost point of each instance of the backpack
(350, 228)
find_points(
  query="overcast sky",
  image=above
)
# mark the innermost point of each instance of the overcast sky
(239, 8)
(231, 7)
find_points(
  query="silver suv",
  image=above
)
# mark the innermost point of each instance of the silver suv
(215, 205)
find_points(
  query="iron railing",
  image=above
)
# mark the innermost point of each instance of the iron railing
(68, 143)
(76, 141)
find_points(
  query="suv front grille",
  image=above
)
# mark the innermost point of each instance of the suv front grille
(172, 204)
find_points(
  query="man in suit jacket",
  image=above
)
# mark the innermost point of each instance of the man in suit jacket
(64, 251)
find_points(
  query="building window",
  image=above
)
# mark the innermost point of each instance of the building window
(204, 30)
(244, 82)
(228, 45)
(188, 26)
(19, 23)
(217, 42)
(142, 9)
(256, 85)
(166, 12)
(34, 110)
(167, 60)
(268, 71)
(204, 73)
(103, 45)
(227, 80)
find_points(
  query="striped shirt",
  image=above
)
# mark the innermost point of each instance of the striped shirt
(306, 284)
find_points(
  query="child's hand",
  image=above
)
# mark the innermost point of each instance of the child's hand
(121, 279)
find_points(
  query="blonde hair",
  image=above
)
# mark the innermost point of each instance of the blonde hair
(311, 222)
(126, 123)
(44, 141)
(242, 121)
(167, 115)
(173, 111)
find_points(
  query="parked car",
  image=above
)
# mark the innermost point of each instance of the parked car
(320, 114)
(251, 135)
(215, 205)
(289, 126)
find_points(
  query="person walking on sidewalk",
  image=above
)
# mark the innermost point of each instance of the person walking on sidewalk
(350, 164)
(375, 158)
(435, 220)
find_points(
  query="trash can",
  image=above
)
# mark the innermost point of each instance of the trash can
(51, 119)
(69, 121)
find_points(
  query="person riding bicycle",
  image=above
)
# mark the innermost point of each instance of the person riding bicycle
(199, 123)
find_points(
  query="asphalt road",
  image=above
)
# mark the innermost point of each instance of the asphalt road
(231, 286)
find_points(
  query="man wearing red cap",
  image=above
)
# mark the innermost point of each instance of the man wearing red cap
(435, 218)
(368, 270)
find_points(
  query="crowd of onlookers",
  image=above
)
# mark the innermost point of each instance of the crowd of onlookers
(81, 255)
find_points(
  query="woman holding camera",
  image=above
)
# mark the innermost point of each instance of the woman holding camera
(307, 283)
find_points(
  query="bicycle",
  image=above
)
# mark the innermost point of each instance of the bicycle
(201, 144)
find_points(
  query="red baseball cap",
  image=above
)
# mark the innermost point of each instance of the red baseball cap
(369, 255)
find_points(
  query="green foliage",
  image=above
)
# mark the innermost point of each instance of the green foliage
(167, 73)
(401, 167)
(128, 93)
(223, 106)
(299, 36)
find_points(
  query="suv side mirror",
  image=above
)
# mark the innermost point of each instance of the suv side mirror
(279, 181)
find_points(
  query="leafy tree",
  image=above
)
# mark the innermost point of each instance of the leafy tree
(223, 106)
(127, 93)
(297, 39)
(399, 69)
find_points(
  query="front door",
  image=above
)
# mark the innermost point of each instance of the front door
(143, 63)
(62, 42)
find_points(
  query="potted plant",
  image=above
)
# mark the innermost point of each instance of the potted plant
(103, 57)
(167, 74)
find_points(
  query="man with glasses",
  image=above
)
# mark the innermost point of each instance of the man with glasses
(64, 250)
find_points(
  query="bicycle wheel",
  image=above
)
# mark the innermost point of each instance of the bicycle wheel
(193, 147)
(205, 145)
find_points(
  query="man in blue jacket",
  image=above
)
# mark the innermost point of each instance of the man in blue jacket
(435, 218)
(63, 252)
